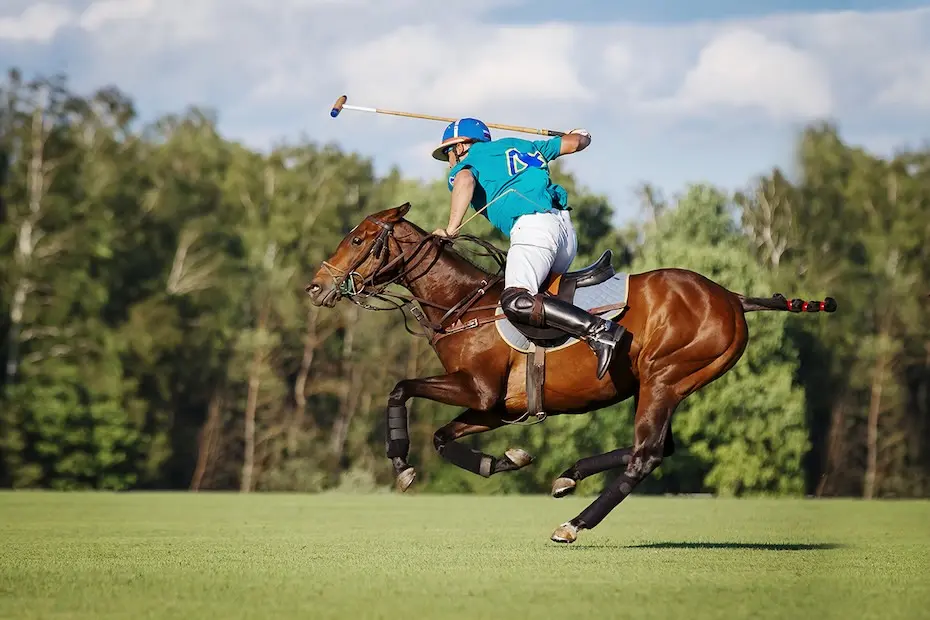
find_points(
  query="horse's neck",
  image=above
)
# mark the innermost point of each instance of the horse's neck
(443, 278)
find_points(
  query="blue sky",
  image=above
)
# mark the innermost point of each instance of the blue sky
(672, 92)
(683, 11)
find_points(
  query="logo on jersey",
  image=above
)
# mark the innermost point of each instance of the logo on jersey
(518, 161)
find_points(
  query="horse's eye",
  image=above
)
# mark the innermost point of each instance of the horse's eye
(356, 241)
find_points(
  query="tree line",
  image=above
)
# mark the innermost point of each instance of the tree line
(155, 333)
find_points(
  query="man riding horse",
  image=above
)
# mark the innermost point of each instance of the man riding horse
(681, 330)
(508, 179)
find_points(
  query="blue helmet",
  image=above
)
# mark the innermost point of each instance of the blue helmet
(462, 130)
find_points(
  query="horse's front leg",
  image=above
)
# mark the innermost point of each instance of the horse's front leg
(457, 388)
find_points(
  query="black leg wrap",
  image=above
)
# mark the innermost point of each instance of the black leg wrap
(607, 501)
(669, 448)
(466, 458)
(397, 441)
(602, 462)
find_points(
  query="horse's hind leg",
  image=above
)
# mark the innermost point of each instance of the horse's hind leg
(653, 416)
(471, 422)
(567, 481)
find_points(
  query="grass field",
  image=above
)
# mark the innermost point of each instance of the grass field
(421, 557)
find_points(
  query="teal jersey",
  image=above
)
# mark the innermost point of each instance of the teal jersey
(512, 179)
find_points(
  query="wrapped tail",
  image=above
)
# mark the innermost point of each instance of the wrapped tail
(780, 302)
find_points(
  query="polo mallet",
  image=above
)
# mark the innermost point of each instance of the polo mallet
(341, 105)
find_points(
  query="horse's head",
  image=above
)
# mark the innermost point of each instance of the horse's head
(362, 259)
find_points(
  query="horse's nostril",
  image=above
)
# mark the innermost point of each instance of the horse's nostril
(313, 288)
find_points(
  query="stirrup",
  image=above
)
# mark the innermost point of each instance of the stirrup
(602, 340)
(606, 332)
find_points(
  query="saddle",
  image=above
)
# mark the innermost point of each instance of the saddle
(563, 286)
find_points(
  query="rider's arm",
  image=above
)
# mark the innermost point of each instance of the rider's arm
(462, 189)
(574, 141)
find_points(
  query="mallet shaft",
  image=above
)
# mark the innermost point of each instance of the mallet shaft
(342, 105)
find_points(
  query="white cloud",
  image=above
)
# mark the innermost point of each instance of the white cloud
(104, 12)
(712, 99)
(785, 66)
(743, 68)
(155, 25)
(423, 64)
(910, 88)
(39, 22)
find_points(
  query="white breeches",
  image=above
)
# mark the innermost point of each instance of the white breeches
(540, 244)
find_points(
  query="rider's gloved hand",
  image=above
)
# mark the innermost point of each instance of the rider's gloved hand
(585, 137)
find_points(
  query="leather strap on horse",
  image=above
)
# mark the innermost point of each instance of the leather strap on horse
(535, 382)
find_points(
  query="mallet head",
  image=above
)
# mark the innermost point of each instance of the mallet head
(337, 107)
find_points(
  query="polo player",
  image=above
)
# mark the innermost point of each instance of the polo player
(508, 180)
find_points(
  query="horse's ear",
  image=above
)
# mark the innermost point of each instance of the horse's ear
(394, 215)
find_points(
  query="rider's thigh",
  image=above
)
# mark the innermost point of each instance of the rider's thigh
(567, 246)
(528, 266)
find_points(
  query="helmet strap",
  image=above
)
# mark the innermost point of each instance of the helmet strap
(464, 145)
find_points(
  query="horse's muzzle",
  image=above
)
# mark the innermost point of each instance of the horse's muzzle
(323, 294)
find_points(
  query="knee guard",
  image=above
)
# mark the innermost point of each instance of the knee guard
(521, 306)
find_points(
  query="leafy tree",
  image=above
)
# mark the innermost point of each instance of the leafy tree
(853, 226)
(154, 330)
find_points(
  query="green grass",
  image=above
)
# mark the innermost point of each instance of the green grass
(422, 557)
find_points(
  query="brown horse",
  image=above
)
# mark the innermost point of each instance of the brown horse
(683, 332)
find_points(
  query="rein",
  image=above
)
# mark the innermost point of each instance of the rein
(359, 289)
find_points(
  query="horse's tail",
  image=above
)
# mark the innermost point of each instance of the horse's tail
(780, 302)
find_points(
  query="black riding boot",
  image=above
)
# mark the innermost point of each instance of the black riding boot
(600, 334)
(543, 311)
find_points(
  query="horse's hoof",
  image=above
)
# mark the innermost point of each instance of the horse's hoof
(520, 458)
(406, 478)
(562, 487)
(565, 533)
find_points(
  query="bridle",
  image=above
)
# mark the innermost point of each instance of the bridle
(347, 287)
(358, 289)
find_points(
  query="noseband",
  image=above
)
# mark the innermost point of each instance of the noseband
(347, 285)
(356, 287)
